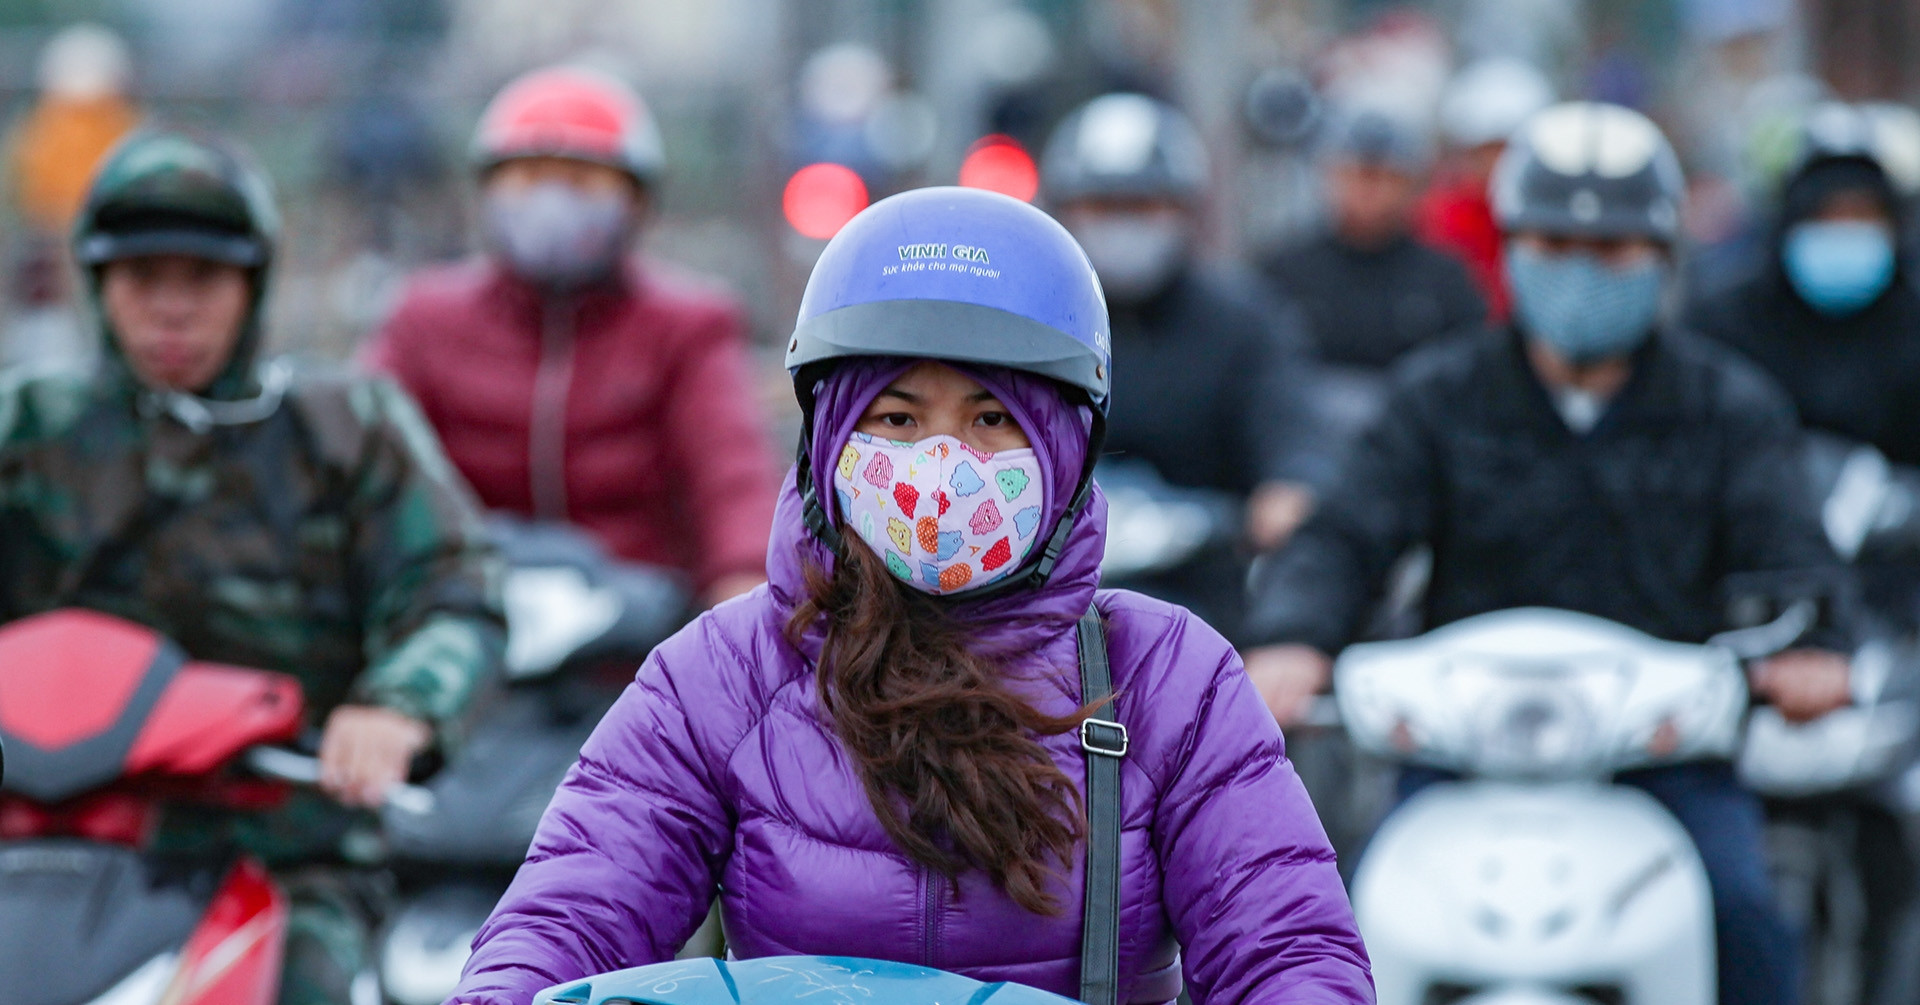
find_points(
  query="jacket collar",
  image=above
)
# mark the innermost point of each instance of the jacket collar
(1653, 396)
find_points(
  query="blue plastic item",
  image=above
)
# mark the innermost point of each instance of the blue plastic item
(961, 274)
(779, 980)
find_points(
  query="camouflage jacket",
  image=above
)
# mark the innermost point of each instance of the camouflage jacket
(326, 537)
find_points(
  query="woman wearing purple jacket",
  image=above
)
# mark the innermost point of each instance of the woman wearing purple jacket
(878, 753)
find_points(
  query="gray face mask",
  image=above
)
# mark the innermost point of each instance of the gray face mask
(555, 235)
(1581, 307)
(1135, 256)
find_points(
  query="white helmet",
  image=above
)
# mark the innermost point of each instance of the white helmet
(85, 62)
(1490, 99)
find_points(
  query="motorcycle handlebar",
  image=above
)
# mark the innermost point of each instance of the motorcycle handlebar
(295, 768)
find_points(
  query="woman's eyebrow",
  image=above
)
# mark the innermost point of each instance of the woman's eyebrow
(982, 395)
(893, 392)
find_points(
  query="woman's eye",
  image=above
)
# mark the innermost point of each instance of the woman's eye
(994, 420)
(896, 420)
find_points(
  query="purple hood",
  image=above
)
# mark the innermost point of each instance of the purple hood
(718, 774)
(1016, 621)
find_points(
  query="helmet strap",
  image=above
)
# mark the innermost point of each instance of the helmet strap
(811, 509)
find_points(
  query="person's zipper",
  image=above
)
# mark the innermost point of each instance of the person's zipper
(547, 428)
(931, 905)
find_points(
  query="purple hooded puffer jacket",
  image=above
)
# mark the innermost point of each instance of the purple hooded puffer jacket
(717, 772)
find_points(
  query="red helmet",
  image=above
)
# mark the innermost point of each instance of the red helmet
(575, 112)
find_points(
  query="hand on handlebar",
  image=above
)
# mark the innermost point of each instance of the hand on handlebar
(1804, 684)
(1276, 510)
(365, 752)
(1288, 677)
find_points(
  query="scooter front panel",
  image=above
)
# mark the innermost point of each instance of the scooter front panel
(1483, 886)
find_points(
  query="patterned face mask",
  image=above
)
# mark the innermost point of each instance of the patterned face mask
(944, 516)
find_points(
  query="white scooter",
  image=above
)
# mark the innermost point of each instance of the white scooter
(1534, 879)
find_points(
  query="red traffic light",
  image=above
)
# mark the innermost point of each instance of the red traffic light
(821, 198)
(1000, 164)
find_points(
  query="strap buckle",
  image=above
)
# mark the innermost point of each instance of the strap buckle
(1103, 737)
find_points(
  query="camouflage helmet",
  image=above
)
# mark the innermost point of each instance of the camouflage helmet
(165, 191)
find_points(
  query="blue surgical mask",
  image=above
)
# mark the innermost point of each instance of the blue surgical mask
(1839, 266)
(1581, 307)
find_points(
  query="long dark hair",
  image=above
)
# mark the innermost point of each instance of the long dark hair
(936, 729)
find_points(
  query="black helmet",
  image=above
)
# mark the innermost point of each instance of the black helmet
(1124, 146)
(1587, 169)
(163, 191)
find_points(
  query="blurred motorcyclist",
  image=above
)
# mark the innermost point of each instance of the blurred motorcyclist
(1589, 458)
(570, 381)
(1210, 391)
(1370, 290)
(1479, 110)
(1832, 314)
(259, 515)
(81, 112)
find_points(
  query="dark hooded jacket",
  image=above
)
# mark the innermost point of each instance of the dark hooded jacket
(1690, 483)
(1856, 376)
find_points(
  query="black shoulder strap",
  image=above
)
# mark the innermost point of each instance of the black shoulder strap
(1105, 743)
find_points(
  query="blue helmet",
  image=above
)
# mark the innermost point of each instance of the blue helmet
(963, 275)
(958, 274)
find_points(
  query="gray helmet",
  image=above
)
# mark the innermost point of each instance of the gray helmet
(1587, 169)
(1124, 146)
(1834, 131)
(1380, 138)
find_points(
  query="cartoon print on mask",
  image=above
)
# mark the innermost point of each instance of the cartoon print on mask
(965, 480)
(879, 472)
(948, 549)
(1012, 482)
(986, 519)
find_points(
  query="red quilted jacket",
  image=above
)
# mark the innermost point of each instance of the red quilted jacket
(626, 409)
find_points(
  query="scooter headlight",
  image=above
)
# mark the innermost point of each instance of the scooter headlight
(1535, 730)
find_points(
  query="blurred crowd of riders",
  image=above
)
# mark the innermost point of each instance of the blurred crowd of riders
(1491, 377)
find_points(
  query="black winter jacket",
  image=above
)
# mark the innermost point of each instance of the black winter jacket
(1368, 308)
(1692, 478)
(1857, 376)
(1210, 387)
